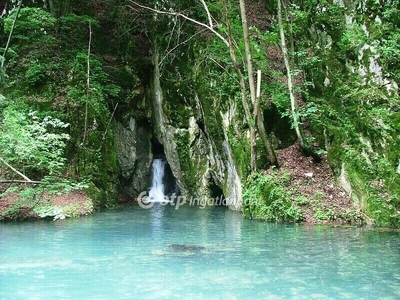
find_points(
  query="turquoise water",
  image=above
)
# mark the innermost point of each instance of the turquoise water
(193, 253)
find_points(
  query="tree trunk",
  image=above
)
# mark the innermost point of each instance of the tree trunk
(257, 118)
(253, 133)
(248, 51)
(20, 181)
(85, 127)
(249, 119)
(264, 137)
(305, 147)
(10, 35)
(15, 170)
(293, 102)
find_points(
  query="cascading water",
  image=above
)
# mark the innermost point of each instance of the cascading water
(156, 193)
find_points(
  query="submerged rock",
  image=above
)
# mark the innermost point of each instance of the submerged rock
(186, 248)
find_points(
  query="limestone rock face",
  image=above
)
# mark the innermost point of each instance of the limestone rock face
(187, 132)
(202, 170)
(163, 131)
(125, 142)
(134, 156)
(233, 181)
(144, 157)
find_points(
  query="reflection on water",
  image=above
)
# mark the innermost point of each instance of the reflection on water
(194, 253)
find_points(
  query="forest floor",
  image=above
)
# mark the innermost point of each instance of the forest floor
(328, 201)
(72, 204)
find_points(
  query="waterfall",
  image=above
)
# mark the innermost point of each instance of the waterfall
(156, 193)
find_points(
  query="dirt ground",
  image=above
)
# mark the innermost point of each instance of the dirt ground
(77, 200)
(312, 179)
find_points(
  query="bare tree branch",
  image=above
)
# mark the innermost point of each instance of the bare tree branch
(178, 45)
(108, 125)
(21, 181)
(170, 40)
(227, 72)
(208, 13)
(11, 32)
(87, 86)
(172, 13)
(15, 170)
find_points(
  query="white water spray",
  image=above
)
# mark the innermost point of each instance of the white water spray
(156, 193)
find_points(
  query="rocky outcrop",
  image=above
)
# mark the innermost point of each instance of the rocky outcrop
(359, 124)
(125, 143)
(201, 169)
(134, 156)
(164, 132)
(233, 181)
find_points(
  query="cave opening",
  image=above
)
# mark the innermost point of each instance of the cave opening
(216, 193)
(158, 148)
(279, 128)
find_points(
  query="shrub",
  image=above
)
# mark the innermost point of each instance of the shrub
(266, 198)
(31, 142)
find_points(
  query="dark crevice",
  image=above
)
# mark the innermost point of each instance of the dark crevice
(170, 185)
(279, 128)
(158, 148)
(200, 123)
(216, 193)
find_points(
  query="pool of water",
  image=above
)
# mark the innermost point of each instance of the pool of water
(192, 253)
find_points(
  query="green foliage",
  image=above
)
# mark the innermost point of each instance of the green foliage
(47, 67)
(349, 215)
(31, 22)
(71, 211)
(49, 211)
(35, 200)
(3, 75)
(327, 214)
(356, 120)
(353, 115)
(186, 161)
(25, 200)
(301, 200)
(59, 186)
(36, 73)
(241, 153)
(56, 212)
(31, 142)
(266, 197)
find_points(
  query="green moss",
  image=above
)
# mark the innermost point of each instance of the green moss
(301, 200)
(186, 162)
(266, 197)
(178, 112)
(379, 206)
(241, 152)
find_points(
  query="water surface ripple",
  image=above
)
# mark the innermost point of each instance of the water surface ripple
(193, 253)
